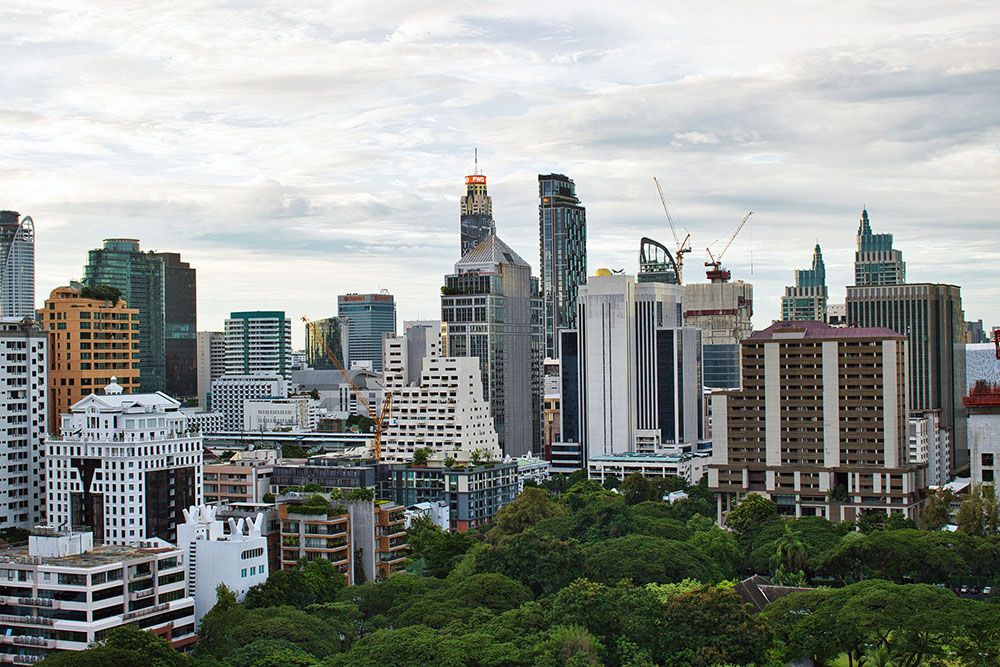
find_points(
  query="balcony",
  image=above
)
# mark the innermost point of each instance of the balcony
(139, 595)
(27, 640)
(20, 659)
(127, 616)
(14, 619)
(47, 603)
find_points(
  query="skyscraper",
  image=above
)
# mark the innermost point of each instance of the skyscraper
(476, 211)
(819, 425)
(333, 332)
(259, 342)
(489, 310)
(23, 422)
(562, 237)
(211, 364)
(369, 318)
(875, 262)
(140, 278)
(931, 318)
(180, 291)
(91, 340)
(17, 265)
(632, 370)
(807, 300)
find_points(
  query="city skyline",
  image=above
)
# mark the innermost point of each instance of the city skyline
(212, 151)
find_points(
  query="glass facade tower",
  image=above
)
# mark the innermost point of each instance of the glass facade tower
(140, 278)
(17, 265)
(180, 326)
(369, 317)
(562, 236)
(333, 332)
(807, 300)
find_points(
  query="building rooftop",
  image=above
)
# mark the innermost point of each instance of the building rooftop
(819, 331)
(644, 457)
(104, 554)
(983, 395)
(490, 252)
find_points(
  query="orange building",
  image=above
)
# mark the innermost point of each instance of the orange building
(90, 341)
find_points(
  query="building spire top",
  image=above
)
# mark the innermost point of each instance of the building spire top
(476, 168)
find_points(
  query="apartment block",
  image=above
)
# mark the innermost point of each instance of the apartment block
(231, 392)
(211, 350)
(236, 483)
(259, 342)
(820, 424)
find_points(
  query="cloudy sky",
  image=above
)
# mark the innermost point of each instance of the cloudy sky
(295, 151)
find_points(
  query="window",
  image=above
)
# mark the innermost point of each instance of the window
(988, 459)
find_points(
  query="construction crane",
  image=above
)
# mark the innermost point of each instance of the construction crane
(379, 418)
(717, 274)
(683, 247)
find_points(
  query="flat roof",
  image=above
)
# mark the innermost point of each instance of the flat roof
(100, 555)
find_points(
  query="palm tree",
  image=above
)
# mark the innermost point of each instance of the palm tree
(791, 553)
(879, 657)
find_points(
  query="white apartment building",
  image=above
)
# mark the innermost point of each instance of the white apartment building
(230, 392)
(296, 413)
(125, 466)
(983, 407)
(259, 341)
(205, 421)
(23, 415)
(930, 444)
(437, 402)
(690, 466)
(237, 559)
(61, 593)
(211, 347)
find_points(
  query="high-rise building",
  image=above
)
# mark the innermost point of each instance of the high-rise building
(875, 262)
(17, 265)
(23, 422)
(180, 316)
(230, 394)
(476, 208)
(259, 341)
(331, 331)
(820, 424)
(489, 309)
(637, 375)
(211, 347)
(975, 332)
(562, 238)
(930, 444)
(126, 466)
(91, 340)
(140, 278)
(931, 318)
(369, 318)
(437, 402)
(806, 301)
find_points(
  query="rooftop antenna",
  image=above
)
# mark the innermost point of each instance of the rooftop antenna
(476, 170)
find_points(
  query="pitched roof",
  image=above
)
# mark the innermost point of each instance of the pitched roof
(819, 331)
(490, 252)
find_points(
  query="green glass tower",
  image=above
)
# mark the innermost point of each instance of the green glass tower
(807, 300)
(140, 277)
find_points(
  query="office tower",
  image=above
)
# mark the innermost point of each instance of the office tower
(64, 592)
(476, 211)
(91, 340)
(126, 466)
(638, 370)
(983, 406)
(931, 445)
(806, 301)
(369, 318)
(333, 332)
(489, 310)
(259, 341)
(231, 392)
(562, 238)
(437, 402)
(820, 425)
(931, 318)
(23, 417)
(875, 262)
(17, 265)
(180, 316)
(211, 347)
(975, 332)
(139, 276)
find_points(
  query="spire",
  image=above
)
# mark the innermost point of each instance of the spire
(476, 168)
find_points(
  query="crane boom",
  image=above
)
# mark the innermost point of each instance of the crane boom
(735, 232)
(683, 247)
(378, 418)
(717, 273)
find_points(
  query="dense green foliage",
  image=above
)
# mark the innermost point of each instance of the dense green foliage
(572, 573)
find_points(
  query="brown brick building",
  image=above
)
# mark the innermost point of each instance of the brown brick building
(90, 341)
(819, 425)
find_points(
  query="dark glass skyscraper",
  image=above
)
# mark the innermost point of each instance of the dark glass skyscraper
(562, 236)
(369, 317)
(333, 332)
(806, 301)
(140, 277)
(180, 293)
(476, 211)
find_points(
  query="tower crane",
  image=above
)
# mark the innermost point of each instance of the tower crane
(379, 418)
(717, 274)
(683, 247)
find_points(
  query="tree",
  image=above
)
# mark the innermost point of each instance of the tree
(641, 559)
(530, 507)
(790, 552)
(290, 450)
(270, 653)
(421, 455)
(570, 645)
(638, 488)
(102, 293)
(126, 645)
(440, 550)
(315, 582)
(978, 514)
(936, 510)
(543, 563)
(750, 516)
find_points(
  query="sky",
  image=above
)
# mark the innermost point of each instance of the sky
(292, 152)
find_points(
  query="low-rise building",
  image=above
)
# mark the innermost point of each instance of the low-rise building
(62, 593)
(983, 407)
(205, 421)
(533, 469)
(230, 393)
(690, 466)
(270, 527)
(296, 413)
(237, 559)
(235, 483)
(436, 512)
(328, 472)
